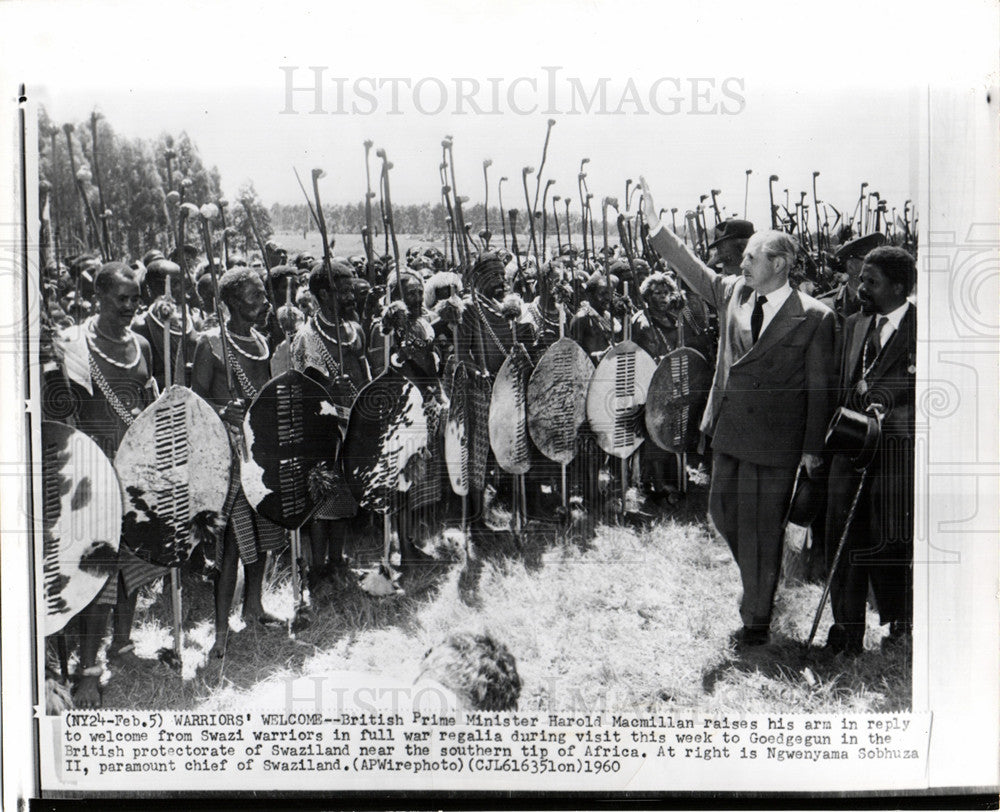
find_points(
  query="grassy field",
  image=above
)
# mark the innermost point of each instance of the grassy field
(614, 618)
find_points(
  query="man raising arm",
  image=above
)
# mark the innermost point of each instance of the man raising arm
(769, 405)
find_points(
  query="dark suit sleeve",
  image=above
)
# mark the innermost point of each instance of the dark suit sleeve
(821, 382)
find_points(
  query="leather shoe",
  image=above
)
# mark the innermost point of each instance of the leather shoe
(838, 641)
(749, 637)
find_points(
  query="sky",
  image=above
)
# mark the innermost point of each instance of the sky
(695, 96)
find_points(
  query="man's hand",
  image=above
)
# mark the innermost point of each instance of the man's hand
(648, 207)
(234, 412)
(812, 463)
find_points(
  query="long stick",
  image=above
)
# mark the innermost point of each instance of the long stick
(487, 163)
(836, 558)
(531, 214)
(100, 187)
(503, 221)
(367, 235)
(327, 262)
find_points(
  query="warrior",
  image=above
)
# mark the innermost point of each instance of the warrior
(412, 349)
(594, 327)
(328, 339)
(161, 311)
(110, 369)
(543, 313)
(665, 324)
(248, 537)
(668, 322)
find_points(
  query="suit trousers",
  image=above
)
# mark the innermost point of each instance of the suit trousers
(878, 549)
(747, 503)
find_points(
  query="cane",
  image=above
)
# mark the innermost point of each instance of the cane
(843, 538)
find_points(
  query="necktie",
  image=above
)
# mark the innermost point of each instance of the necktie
(875, 339)
(757, 318)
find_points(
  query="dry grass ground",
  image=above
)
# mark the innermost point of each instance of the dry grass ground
(618, 618)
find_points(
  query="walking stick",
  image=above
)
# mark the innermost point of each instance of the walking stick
(836, 558)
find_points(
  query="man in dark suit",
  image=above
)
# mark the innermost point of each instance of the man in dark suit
(769, 406)
(877, 372)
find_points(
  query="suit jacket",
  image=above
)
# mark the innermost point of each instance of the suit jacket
(892, 383)
(770, 401)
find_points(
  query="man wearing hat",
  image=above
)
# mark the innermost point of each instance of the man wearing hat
(843, 299)
(730, 239)
(877, 373)
(769, 404)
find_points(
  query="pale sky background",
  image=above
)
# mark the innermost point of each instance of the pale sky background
(840, 92)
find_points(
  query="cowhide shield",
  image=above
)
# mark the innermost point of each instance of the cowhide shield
(292, 435)
(82, 520)
(466, 436)
(508, 416)
(676, 400)
(557, 399)
(616, 396)
(457, 432)
(173, 463)
(386, 440)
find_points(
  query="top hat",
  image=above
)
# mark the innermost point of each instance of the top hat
(855, 434)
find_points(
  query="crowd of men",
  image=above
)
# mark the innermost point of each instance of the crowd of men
(783, 361)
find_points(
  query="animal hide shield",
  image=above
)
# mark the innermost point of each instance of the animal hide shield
(557, 399)
(508, 418)
(466, 436)
(291, 429)
(173, 463)
(616, 396)
(387, 437)
(676, 399)
(457, 432)
(82, 518)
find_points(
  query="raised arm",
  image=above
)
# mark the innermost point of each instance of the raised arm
(712, 287)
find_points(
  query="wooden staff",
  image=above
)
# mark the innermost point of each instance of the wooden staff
(503, 222)
(746, 194)
(100, 187)
(175, 572)
(774, 212)
(387, 199)
(487, 163)
(263, 253)
(545, 216)
(368, 232)
(225, 231)
(555, 218)
(583, 220)
(525, 171)
(715, 205)
(328, 262)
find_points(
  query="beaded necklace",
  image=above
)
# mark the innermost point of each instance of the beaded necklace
(258, 340)
(92, 345)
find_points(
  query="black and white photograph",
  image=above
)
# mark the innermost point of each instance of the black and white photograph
(549, 397)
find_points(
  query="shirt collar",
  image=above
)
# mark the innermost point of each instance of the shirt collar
(895, 316)
(776, 298)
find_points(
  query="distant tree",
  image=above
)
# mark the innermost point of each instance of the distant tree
(239, 221)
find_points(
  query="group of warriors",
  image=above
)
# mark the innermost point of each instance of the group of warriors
(227, 409)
